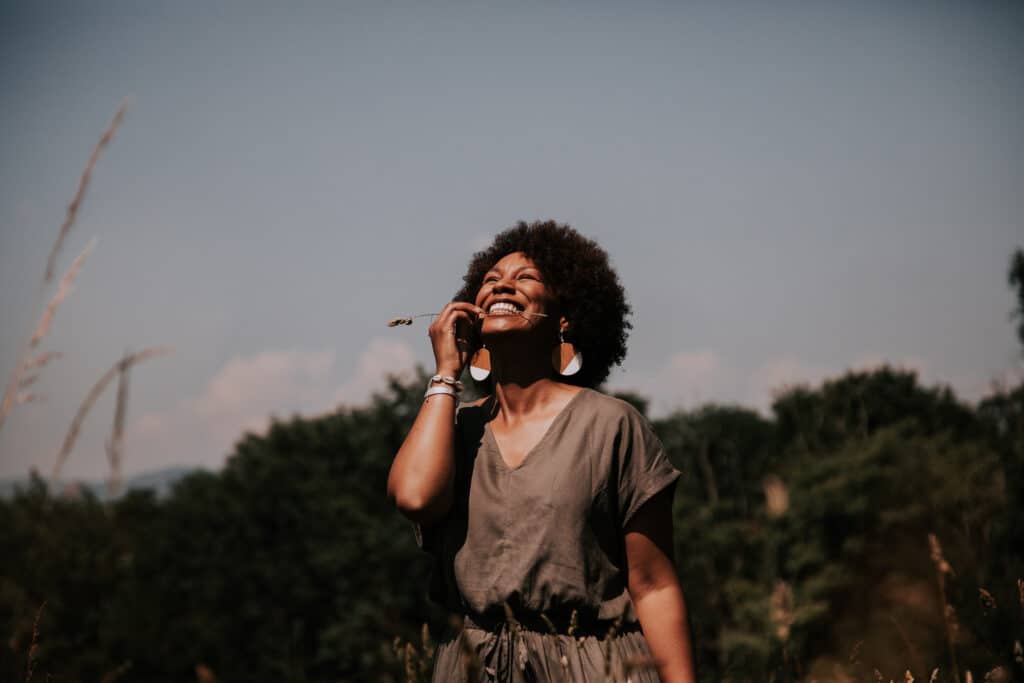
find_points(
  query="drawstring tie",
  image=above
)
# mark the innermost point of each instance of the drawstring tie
(502, 652)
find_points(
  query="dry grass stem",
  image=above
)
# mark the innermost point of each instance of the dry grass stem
(396, 322)
(28, 397)
(25, 361)
(116, 441)
(90, 399)
(63, 289)
(942, 569)
(41, 360)
(30, 666)
(988, 601)
(28, 361)
(418, 663)
(854, 657)
(781, 610)
(27, 380)
(941, 565)
(998, 675)
(428, 642)
(407, 320)
(410, 664)
(83, 185)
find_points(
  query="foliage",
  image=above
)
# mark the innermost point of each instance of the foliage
(287, 565)
(870, 464)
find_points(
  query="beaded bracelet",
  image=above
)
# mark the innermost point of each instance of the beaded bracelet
(447, 379)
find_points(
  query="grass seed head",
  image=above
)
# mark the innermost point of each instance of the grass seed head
(938, 558)
(988, 601)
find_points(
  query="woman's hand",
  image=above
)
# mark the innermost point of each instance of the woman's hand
(422, 479)
(451, 335)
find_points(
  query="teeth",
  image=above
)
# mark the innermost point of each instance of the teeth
(503, 308)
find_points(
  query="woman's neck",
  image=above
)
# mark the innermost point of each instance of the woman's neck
(514, 400)
(524, 381)
(524, 386)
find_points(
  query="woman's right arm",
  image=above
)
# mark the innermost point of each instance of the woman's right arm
(422, 479)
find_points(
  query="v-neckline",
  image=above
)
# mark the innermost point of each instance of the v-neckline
(544, 437)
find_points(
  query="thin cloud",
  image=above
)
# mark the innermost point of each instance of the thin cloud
(383, 357)
(691, 378)
(248, 391)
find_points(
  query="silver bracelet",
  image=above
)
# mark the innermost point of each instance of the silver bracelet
(441, 389)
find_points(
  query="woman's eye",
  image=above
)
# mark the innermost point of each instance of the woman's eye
(491, 278)
(527, 276)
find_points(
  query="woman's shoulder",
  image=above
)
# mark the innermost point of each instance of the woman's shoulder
(606, 407)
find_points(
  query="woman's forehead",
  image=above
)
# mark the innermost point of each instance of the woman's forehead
(515, 260)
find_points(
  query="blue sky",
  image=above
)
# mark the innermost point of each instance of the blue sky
(787, 192)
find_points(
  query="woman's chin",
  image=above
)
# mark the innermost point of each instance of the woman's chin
(500, 324)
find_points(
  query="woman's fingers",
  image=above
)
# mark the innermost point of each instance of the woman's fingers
(448, 317)
(450, 335)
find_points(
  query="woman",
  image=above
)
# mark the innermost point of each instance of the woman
(546, 504)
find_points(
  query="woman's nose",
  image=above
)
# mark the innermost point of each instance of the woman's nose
(503, 285)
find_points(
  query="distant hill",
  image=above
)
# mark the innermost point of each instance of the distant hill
(159, 481)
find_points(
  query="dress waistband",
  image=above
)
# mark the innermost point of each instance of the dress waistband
(550, 625)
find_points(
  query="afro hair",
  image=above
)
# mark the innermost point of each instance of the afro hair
(585, 285)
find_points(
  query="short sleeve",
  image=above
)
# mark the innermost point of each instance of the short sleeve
(643, 467)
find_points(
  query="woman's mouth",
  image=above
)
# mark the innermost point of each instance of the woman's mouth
(504, 308)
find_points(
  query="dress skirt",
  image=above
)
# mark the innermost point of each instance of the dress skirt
(512, 655)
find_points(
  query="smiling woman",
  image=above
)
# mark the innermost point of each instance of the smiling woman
(546, 504)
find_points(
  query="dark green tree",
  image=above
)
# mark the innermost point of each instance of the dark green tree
(724, 453)
(797, 537)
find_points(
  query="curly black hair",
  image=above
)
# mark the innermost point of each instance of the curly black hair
(586, 288)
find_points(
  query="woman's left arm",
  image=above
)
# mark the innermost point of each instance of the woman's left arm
(655, 591)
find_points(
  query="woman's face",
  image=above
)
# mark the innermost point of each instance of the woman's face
(511, 291)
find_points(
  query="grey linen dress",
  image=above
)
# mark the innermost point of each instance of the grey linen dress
(529, 553)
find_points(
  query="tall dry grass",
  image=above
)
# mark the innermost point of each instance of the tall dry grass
(120, 368)
(33, 648)
(28, 359)
(31, 361)
(83, 186)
